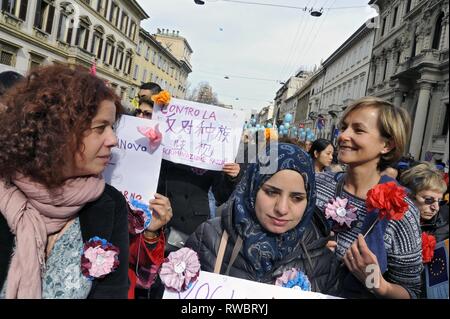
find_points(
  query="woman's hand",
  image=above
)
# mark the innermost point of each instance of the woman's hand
(231, 169)
(363, 264)
(162, 212)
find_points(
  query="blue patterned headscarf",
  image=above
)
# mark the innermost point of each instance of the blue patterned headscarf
(261, 247)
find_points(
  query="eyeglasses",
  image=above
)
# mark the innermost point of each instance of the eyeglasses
(146, 114)
(430, 201)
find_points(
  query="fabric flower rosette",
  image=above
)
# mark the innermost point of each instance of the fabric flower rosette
(139, 216)
(341, 213)
(154, 136)
(428, 246)
(389, 200)
(295, 279)
(180, 269)
(162, 98)
(99, 258)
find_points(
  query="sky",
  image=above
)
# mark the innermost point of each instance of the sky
(255, 46)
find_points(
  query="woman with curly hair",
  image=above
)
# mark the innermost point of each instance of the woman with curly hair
(63, 231)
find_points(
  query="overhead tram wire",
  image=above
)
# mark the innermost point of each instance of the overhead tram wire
(293, 62)
(293, 46)
(287, 6)
(307, 45)
(317, 33)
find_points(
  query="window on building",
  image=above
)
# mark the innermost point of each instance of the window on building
(8, 54)
(398, 56)
(124, 23)
(383, 26)
(45, 13)
(147, 53)
(408, 6)
(82, 37)
(35, 61)
(385, 69)
(97, 44)
(144, 76)
(109, 52)
(61, 34)
(136, 72)
(105, 11)
(17, 8)
(444, 130)
(132, 32)
(139, 47)
(119, 59)
(154, 57)
(101, 7)
(128, 60)
(114, 13)
(374, 75)
(394, 18)
(88, 2)
(437, 32)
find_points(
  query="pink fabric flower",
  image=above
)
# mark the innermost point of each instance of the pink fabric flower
(102, 262)
(153, 134)
(99, 258)
(180, 269)
(340, 212)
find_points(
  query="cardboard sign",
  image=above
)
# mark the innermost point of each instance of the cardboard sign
(136, 161)
(200, 135)
(214, 286)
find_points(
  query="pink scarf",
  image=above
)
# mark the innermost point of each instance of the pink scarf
(32, 214)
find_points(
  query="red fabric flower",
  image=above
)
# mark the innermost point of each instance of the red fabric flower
(389, 199)
(428, 245)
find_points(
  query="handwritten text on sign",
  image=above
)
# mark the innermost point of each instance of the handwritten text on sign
(135, 164)
(214, 286)
(200, 135)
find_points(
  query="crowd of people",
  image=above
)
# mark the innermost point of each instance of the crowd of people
(315, 212)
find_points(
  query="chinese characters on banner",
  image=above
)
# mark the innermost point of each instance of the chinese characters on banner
(200, 135)
(136, 161)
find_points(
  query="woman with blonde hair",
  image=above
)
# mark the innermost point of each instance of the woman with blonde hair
(373, 134)
(427, 188)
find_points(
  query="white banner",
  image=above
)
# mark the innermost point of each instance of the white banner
(214, 286)
(136, 161)
(200, 135)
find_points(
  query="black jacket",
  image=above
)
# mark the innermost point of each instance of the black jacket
(438, 225)
(106, 218)
(310, 256)
(188, 193)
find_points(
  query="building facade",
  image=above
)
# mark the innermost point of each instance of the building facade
(345, 76)
(179, 47)
(283, 102)
(154, 63)
(410, 69)
(77, 32)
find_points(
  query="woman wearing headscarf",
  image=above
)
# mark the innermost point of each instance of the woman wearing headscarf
(267, 225)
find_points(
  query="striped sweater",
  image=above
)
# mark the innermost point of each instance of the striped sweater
(402, 238)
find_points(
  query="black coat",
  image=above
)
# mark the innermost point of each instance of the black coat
(438, 225)
(310, 256)
(106, 218)
(188, 193)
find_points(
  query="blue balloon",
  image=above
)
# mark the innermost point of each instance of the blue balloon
(285, 131)
(281, 127)
(287, 125)
(258, 126)
(253, 121)
(308, 129)
(269, 125)
(288, 118)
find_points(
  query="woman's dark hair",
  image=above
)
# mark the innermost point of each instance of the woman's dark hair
(46, 119)
(8, 79)
(154, 87)
(319, 145)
